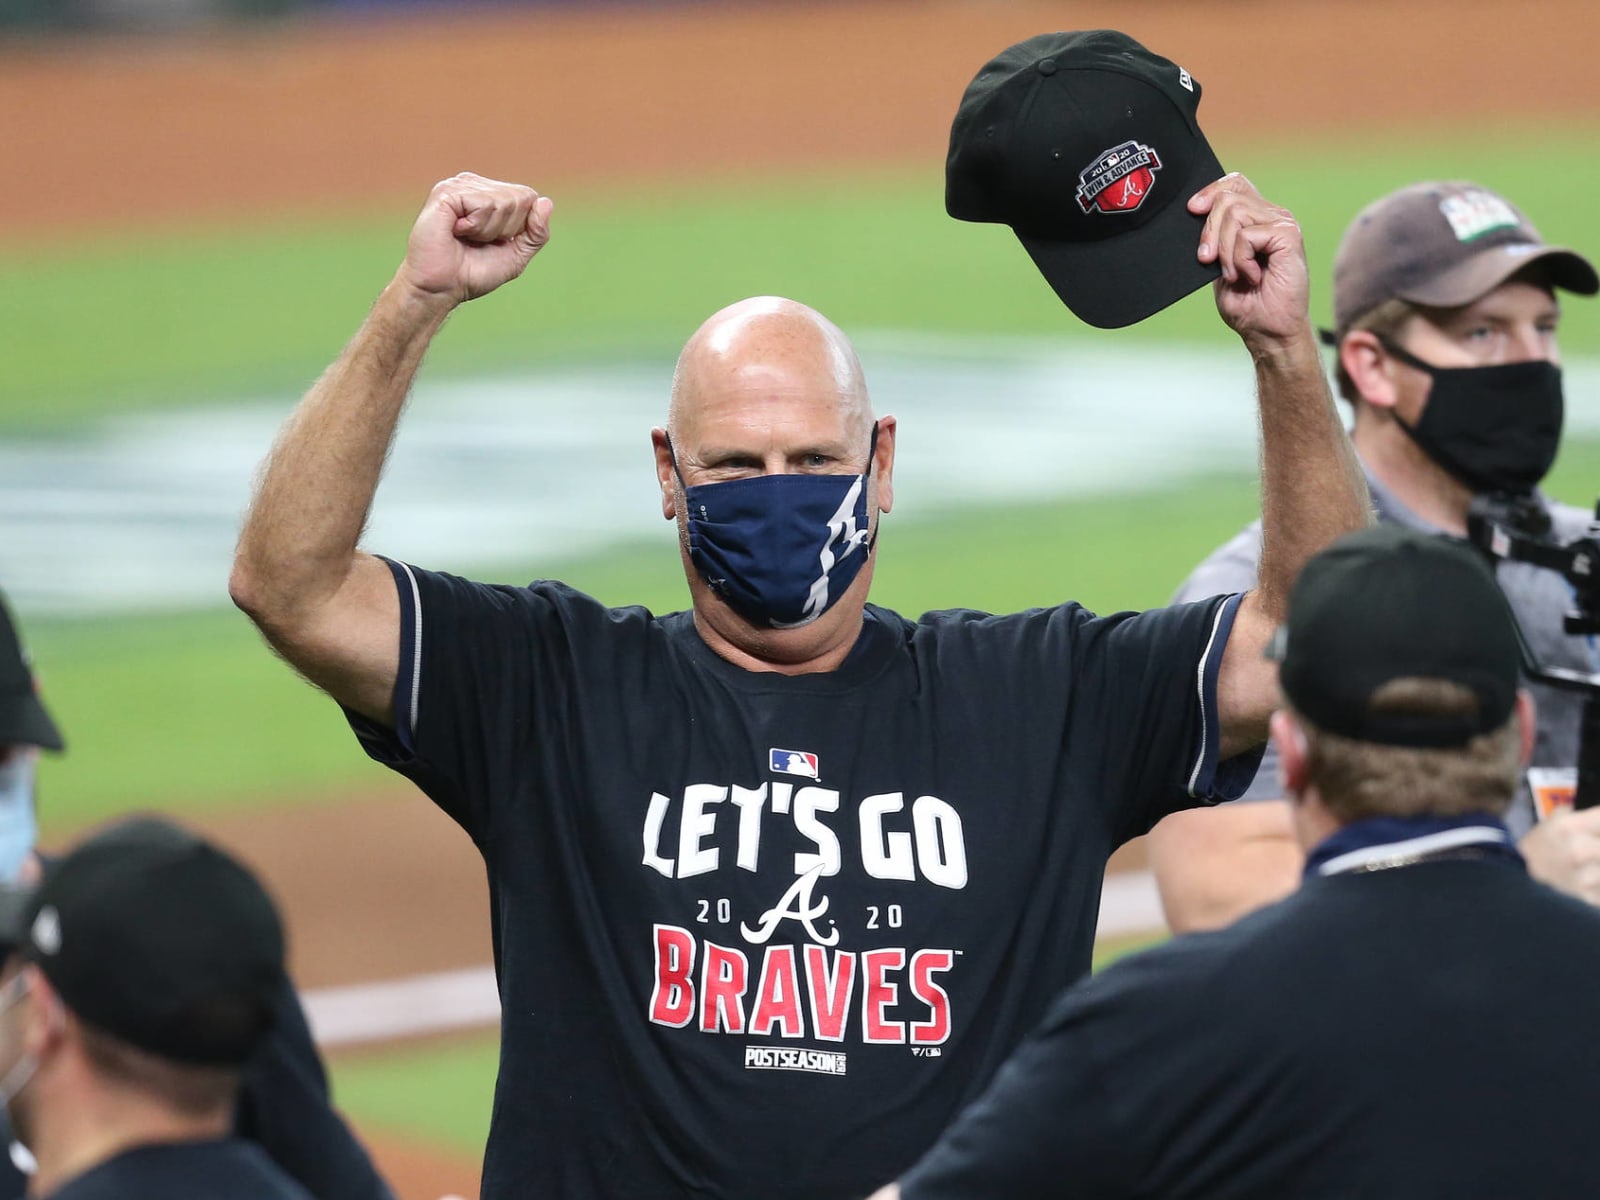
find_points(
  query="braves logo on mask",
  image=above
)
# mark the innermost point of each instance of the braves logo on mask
(1119, 179)
(780, 549)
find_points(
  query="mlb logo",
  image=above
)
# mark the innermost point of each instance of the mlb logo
(794, 762)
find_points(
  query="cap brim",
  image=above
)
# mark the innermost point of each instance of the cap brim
(24, 722)
(1482, 273)
(1121, 280)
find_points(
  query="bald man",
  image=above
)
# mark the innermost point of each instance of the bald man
(779, 881)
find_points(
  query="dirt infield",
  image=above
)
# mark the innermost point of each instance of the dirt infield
(309, 117)
(325, 117)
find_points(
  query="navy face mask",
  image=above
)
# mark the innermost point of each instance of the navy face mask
(780, 549)
(1496, 429)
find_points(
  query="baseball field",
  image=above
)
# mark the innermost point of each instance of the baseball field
(194, 226)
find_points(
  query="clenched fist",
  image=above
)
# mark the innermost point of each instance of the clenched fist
(474, 234)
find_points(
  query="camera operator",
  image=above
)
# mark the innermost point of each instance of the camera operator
(1446, 313)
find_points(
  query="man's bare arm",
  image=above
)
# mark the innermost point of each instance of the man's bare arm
(1312, 488)
(329, 609)
(1214, 865)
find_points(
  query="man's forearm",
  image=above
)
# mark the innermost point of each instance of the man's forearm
(1312, 487)
(316, 489)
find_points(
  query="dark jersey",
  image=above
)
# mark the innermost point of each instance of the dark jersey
(284, 1106)
(760, 934)
(1416, 1032)
(229, 1169)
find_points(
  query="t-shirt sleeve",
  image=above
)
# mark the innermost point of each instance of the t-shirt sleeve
(481, 666)
(1149, 681)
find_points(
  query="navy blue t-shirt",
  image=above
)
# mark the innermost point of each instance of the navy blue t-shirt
(1418, 1032)
(762, 934)
(228, 1169)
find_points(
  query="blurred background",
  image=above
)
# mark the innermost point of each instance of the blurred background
(204, 196)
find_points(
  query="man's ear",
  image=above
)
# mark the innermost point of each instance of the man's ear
(46, 1021)
(1294, 756)
(883, 463)
(1370, 367)
(666, 476)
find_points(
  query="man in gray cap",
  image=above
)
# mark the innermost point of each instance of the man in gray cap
(1390, 1029)
(1446, 313)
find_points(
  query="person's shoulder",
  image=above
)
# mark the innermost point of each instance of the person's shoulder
(1059, 624)
(539, 597)
(1231, 567)
(1172, 983)
(1567, 521)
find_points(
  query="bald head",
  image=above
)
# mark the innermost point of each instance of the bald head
(767, 347)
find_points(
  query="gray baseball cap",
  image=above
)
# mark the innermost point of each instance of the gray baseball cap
(1443, 245)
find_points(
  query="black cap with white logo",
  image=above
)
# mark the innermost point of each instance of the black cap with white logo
(156, 937)
(1086, 144)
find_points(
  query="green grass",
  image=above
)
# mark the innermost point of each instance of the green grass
(170, 319)
(440, 1093)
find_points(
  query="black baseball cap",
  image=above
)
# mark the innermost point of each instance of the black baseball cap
(1389, 603)
(24, 720)
(1085, 143)
(158, 938)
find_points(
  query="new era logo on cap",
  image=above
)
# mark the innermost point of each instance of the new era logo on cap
(46, 931)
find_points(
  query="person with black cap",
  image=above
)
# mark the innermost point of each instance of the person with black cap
(1412, 1021)
(147, 971)
(779, 880)
(284, 1104)
(1446, 313)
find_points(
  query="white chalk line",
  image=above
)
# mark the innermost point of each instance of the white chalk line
(449, 1001)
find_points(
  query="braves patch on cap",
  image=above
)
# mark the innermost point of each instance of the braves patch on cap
(1119, 179)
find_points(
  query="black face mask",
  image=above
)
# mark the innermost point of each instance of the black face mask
(1496, 429)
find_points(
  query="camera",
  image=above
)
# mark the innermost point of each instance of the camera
(1517, 527)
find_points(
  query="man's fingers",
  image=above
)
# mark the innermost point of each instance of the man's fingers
(1232, 183)
(494, 218)
(485, 210)
(1239, 232)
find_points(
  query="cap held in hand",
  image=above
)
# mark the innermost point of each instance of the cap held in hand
(1085, 143)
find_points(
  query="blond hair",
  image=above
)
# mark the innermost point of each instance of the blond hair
(1386, 320)
(1357, 779)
